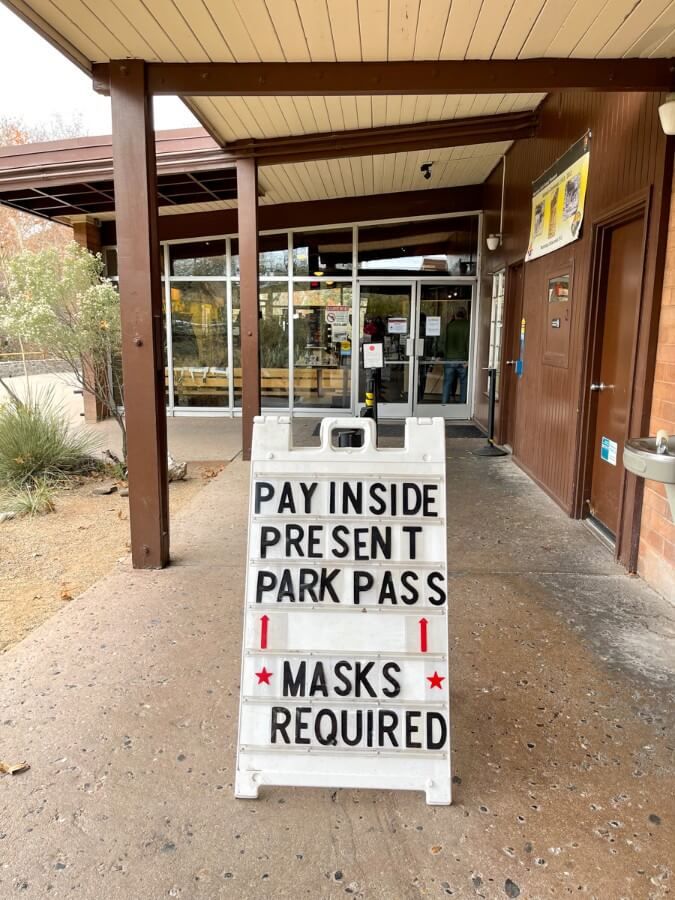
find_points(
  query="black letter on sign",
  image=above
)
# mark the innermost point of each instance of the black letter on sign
(363, 581)
(412, 531)
(344, 546)
(357, 715)
(280, 726)
(395, 688)
(413, 596)
(440, 743)
(432, 578)
(301, 725)
(388, 729)
(267, 581)
(329, 739)
(339, 674)
(264, 491)
(268, 538)
(429, 500)
(294, 686)
(412, 729)
(287, 502)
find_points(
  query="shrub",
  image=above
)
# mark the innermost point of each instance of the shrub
(33, 498)
(36, 442)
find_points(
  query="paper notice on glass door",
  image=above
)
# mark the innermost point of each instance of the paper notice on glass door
(433, 326)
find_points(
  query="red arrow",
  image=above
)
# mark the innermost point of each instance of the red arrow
(423, 635)
(263, 632)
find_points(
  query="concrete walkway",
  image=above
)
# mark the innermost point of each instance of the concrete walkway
(125, 706)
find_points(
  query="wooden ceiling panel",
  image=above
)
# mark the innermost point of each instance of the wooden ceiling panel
(349, 30)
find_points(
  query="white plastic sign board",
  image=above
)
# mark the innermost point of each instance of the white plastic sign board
(344, 680)
(373, 357)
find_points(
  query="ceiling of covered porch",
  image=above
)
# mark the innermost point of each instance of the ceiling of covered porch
(301, 31)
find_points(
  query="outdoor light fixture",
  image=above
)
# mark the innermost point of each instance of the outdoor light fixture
(495, 240)
(425, 169)
(667, 114)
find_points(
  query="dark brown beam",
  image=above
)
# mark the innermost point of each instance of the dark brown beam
(468, 76)
(396, 205)
(141, 311)
(247, 192)
(388, 139)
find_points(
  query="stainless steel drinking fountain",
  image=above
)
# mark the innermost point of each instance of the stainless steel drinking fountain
(653, 458)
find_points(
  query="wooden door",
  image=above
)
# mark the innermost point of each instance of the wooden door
(611, 387)
(513, 316)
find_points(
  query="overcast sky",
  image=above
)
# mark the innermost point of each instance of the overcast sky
(38, 83)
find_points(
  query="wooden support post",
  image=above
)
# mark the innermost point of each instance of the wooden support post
(247, 203)
(87, 234)
(141, 307)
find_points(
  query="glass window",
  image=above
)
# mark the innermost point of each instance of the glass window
(197, 258)
(435, 247)
(322, 252)
(273, 323)
(496, 323)
(322, 339)
(445, 328)
(272, 255)
(199, 336)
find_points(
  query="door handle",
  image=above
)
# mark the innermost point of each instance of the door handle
(511, 362)
(602, 387)
(409, 346)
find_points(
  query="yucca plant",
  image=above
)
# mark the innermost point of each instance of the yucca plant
(32, 498)
(37, 443)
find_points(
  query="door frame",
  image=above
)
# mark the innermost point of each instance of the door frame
(508, 322)
(654, 236)
(385, 410)
(437, 409)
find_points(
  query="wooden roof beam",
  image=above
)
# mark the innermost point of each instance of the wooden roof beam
(316, 79)
(388, 139)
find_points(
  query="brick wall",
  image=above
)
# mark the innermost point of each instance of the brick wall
(656, 562)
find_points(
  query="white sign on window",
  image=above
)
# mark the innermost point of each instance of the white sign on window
(397, 325)
(345, 660)
(372, 356)
(433, 326)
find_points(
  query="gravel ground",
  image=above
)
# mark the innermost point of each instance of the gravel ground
(46, 561)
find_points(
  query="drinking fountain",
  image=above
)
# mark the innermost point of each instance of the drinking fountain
(653, 458)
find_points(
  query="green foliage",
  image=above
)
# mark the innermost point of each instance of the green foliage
(36, 443)
(33, 498)
(61, 302)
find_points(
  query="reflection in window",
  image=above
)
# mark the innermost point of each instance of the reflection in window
(272, 255)
(198, 258)
(322, 338)
(273, 325)
(437, 247)
(199, 339)
(322, 252)
(445, 327)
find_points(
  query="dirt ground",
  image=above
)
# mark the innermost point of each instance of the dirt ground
(46, 561)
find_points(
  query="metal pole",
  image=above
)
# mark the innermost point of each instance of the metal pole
(491, 449)
(247, 205)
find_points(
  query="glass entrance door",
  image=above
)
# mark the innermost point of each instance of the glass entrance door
(386, 317)
(443, 350)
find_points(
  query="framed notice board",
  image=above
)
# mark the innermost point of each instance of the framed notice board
(345, 654)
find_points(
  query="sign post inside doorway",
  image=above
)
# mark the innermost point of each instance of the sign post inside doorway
(345, 660)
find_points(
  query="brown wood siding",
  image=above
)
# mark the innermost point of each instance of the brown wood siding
(625, 152)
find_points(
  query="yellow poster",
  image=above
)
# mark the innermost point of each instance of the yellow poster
(558, 201)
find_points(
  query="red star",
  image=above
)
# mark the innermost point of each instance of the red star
(436, 680)
(264, 676)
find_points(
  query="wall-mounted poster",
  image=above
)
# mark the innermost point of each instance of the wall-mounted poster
(558, 201)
